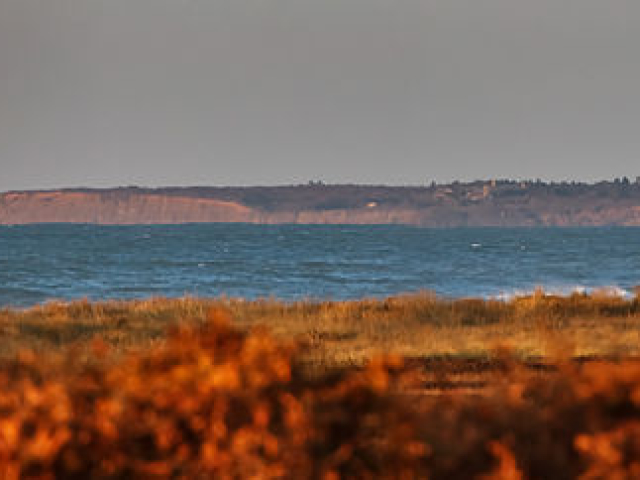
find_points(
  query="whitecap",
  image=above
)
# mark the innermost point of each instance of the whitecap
(510, 295)
(613, 291)
(563, 291)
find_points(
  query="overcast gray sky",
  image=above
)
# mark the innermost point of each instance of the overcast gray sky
(175, 92)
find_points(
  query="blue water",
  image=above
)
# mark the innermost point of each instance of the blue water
(44, 262)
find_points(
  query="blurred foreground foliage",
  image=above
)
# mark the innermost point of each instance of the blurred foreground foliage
(214, 401)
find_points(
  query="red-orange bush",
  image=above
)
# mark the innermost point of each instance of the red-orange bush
(217, 403)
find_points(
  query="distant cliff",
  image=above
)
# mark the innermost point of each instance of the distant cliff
(495, 203)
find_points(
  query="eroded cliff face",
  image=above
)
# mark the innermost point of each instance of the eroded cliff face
(105, 208)
(117, 208)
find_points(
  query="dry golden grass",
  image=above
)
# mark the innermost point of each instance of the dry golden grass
(348, 333)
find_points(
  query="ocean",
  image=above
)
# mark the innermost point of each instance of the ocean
(39, 263)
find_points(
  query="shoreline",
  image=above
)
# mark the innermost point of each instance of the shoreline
(612, 291)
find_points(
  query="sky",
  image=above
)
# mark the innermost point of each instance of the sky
(263, 92)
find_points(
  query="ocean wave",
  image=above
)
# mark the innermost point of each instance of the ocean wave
(565, 291)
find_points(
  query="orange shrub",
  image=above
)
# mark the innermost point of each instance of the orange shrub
(214, 402)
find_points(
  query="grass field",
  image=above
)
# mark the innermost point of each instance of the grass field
(408, 387)
(348, 333)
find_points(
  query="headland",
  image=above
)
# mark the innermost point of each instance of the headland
(480, 203)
